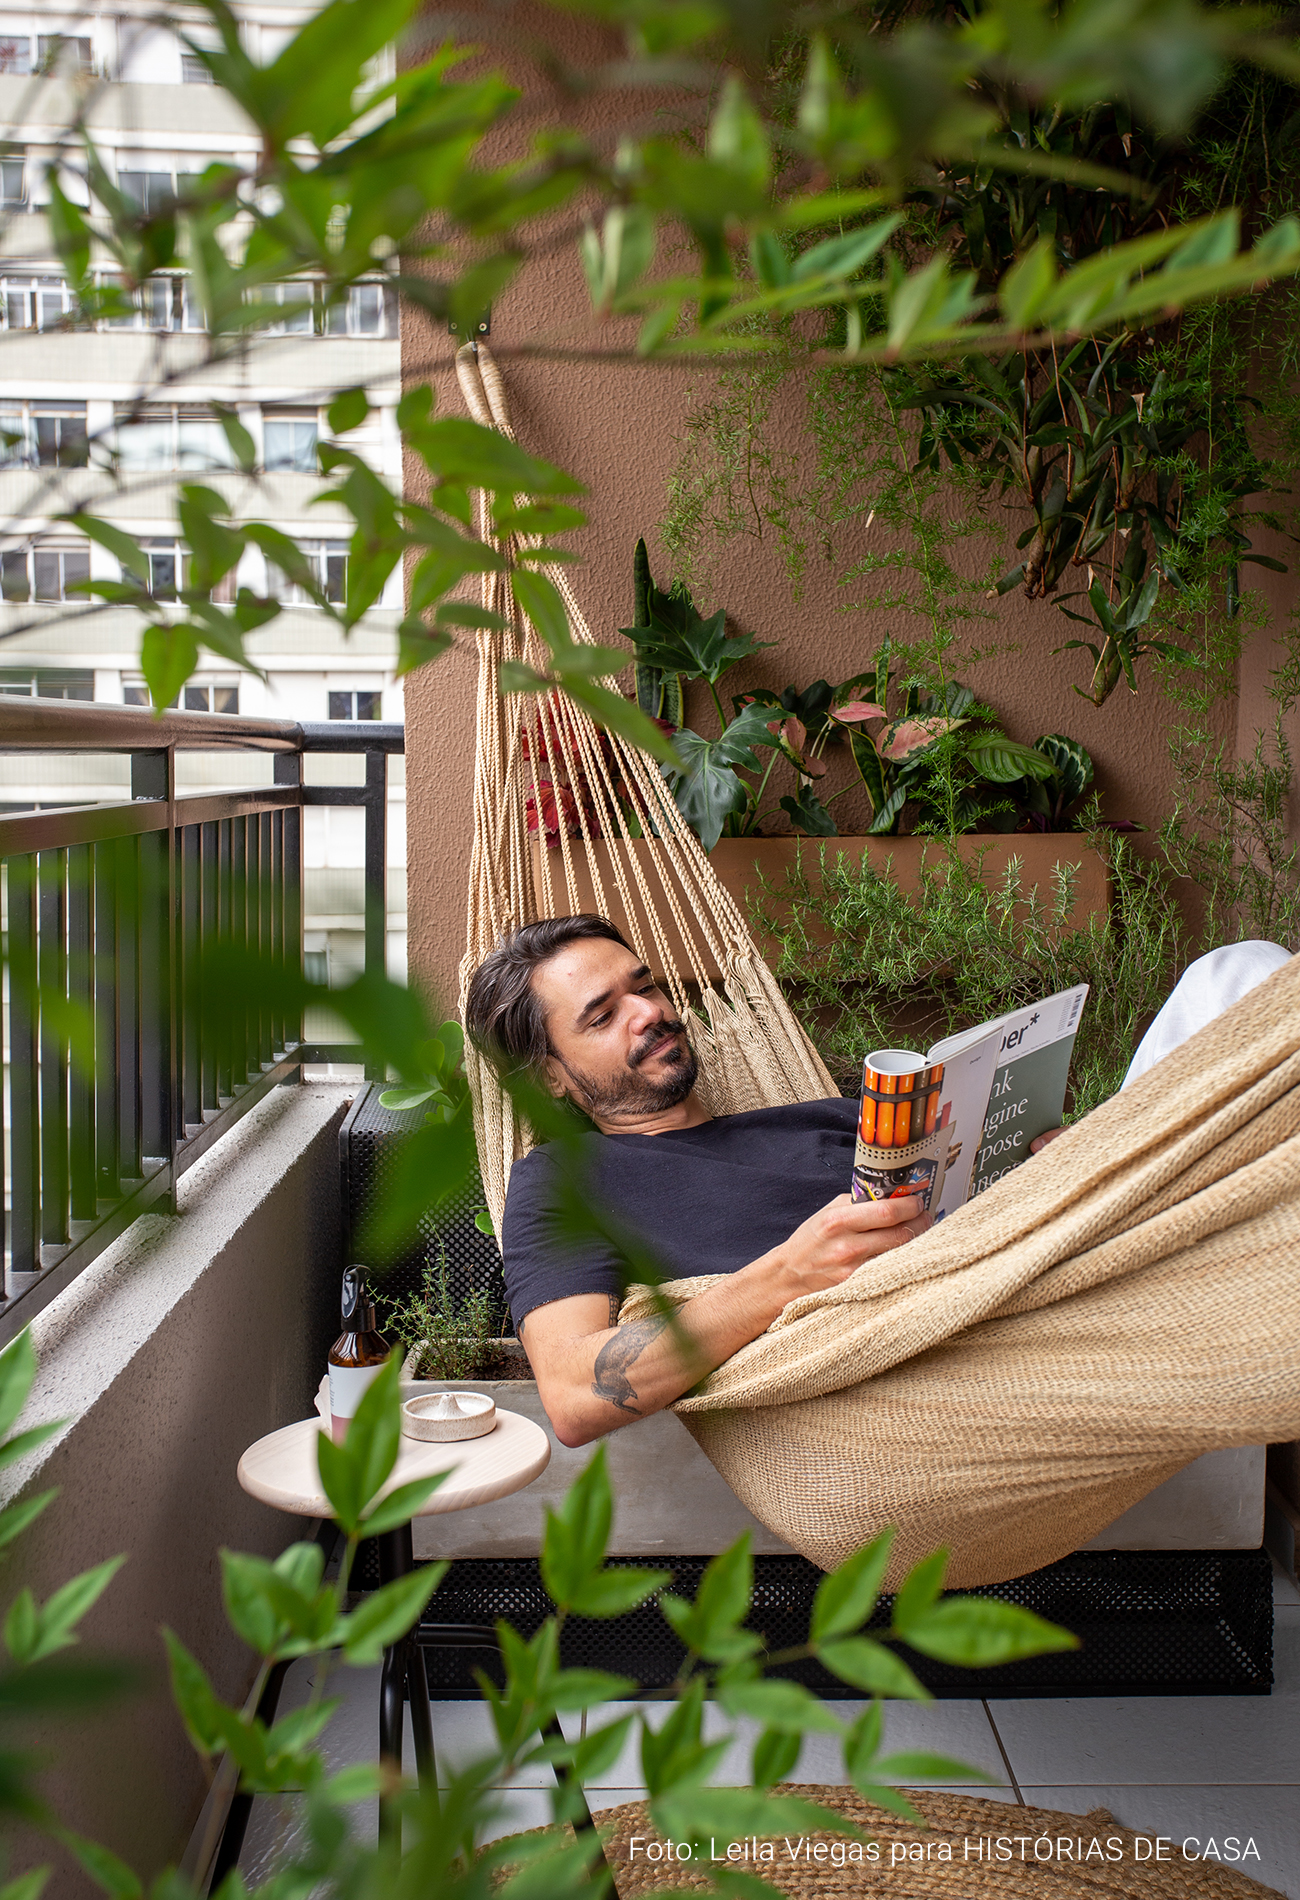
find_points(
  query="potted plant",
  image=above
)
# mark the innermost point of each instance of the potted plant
(452, 1345)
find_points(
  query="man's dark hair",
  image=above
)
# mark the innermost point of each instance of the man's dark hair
(502, 1013)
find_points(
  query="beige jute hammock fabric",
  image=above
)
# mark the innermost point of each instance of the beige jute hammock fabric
(546, 752)
(1011, 1382)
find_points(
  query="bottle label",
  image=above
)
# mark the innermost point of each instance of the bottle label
(347, 1385)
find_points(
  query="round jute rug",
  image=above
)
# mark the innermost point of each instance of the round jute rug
(972, 1849)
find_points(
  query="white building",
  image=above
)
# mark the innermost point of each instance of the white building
(122, 412)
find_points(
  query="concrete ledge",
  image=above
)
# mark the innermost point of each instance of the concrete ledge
(189, 1338)
(670, 1501)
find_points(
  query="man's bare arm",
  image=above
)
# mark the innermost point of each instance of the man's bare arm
(594, 1376)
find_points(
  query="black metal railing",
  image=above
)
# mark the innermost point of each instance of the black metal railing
(153, 949)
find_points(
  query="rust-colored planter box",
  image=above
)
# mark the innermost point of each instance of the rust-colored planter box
(742, 863)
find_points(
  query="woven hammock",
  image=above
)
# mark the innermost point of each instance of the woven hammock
(619, 842)
(1023, 1373)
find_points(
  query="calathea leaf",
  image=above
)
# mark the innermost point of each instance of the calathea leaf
(707, 789)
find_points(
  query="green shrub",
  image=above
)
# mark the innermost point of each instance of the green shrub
(867, 967)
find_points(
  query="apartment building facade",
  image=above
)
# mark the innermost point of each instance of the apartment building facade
(120, 413)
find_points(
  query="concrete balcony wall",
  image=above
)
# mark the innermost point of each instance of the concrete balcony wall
(191, 1337)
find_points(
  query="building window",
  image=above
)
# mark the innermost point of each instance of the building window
(211, 696)
(13, 181)
(44, 573)
(166, 568)
(289, 438)
(356, 705)
(359, 312)
(329, 563)
(17, 682)
(151, 192)
(171, 436)
(161, 303)
(64, 53)
(43, 435)
(15, 54)
(193, 71)
(35, 303)
(298, 296)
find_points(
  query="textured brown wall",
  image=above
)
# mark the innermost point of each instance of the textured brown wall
(617, 427)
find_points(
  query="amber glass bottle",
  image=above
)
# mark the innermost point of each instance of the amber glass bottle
(356, 1356)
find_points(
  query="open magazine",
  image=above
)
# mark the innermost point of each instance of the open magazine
(948, 1124)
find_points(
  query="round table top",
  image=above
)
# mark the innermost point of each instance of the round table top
(280, 1469)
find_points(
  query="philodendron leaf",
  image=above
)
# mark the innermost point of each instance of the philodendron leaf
(707, 790)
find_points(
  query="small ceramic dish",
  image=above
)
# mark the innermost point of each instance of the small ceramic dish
(443, 1416)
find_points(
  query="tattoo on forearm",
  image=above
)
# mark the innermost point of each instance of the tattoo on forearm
(617, 1356)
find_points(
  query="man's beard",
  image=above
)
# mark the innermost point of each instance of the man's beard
(618, 1098)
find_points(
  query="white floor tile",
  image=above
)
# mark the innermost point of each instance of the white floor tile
(960, 1730)
(1171, 1741)
(1270, 1817)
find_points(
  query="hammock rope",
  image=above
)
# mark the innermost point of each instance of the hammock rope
(633, 851)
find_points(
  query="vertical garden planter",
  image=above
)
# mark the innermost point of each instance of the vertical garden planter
(742, 864)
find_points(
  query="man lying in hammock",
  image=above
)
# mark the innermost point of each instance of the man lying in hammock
(760, 1197)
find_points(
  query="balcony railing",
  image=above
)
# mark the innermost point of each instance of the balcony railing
(148, 945)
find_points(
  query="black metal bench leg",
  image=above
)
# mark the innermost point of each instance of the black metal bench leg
(421, 1717)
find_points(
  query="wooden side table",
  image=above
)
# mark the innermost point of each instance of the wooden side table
(280, 1470)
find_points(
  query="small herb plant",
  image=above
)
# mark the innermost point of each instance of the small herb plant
(868, 966)
(454, 1338)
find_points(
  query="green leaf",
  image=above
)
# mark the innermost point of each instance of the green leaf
(104, 1868)
(354, 1472)
(457, 450)
(57, 1620)
(710, 1626)
(169, 654)
(919, 1589)
(808, 815)
(17, 1370)
(776, 1756)
(242, 445)
(541, 602)
(862, 1741)
(124, 546)
(401, 1504)
(615, 1591)
(705, 786)
(846, 1597)
(738, 137)
(15, 1518)
(348, 410)
(978, 1632)
(573, 1547)
(679, 640)
(917, 1765)
(778, 1705)
(1002, 761)
(203, 1714)
(387, 1614)
(870, 1666)
(27, 1886)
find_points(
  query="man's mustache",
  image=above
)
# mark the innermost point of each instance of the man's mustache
(658, 1034)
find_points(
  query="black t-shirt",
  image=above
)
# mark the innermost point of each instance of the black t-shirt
(701, 1200)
